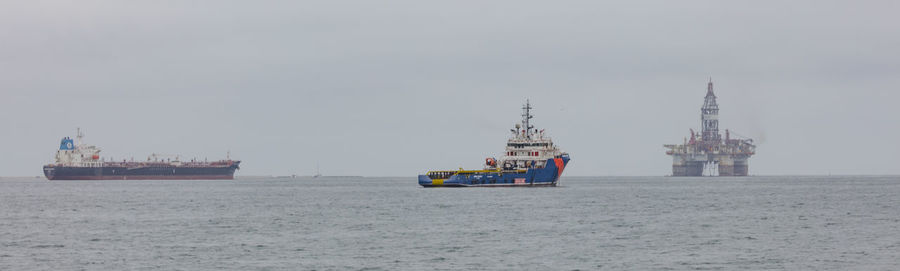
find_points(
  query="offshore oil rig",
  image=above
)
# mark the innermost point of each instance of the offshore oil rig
(707, 152)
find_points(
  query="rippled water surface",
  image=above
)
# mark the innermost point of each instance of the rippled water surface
(611, 223)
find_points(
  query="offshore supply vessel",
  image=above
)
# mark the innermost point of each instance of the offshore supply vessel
(531, 159)
(78, 161)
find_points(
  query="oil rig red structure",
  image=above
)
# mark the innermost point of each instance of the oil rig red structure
(707, 152)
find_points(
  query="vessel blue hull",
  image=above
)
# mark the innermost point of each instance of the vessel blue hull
(546, 176)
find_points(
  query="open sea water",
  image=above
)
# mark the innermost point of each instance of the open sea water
(589, 223)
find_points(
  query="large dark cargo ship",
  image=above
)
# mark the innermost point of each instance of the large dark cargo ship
(76, 161)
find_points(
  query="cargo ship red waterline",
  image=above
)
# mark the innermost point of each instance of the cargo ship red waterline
(77, 161)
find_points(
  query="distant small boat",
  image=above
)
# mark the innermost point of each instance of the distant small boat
(317, 171)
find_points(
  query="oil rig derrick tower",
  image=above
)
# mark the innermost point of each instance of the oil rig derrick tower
(707, 151)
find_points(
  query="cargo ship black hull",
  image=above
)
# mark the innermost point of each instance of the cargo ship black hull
(155, 172)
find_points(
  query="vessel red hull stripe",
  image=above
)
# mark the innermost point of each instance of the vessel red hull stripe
(560, 165)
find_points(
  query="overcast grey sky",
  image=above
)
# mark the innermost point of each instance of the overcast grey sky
(400, 87)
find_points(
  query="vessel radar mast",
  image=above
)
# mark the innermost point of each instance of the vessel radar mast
(526, 119)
